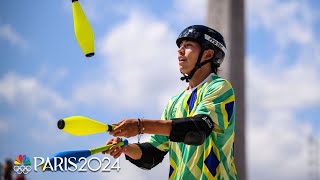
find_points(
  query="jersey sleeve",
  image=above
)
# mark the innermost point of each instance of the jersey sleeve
(219, 103)
(159, 141)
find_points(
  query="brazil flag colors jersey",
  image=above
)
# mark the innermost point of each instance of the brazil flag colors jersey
(214, 158)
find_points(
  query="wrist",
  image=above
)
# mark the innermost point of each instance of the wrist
(141, 126)
(124, 150)
(140, 129)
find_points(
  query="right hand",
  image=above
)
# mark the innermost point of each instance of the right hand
(114, 151)
(127, 128)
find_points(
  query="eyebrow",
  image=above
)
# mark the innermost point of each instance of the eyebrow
(188, 41)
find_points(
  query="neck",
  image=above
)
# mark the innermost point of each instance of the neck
(200, 75)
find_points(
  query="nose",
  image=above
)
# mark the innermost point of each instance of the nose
(181, 50)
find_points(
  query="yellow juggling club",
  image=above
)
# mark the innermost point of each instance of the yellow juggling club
(82, 29)
(81, 126)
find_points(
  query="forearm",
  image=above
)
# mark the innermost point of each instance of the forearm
(132, 127)
(160, 127)
(133, 151)
(149, 158)
(190, 130)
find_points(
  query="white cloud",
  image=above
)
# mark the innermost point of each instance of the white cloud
(288, 21)
(16, 89)
(45, 74)
(9, 34)
(92, 9)
(280, 89)
(189, 12)
(279, 148)
(295, 87)
(140, 65)
(277, 139)
(36, 101)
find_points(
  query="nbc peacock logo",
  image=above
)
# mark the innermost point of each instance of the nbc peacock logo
(22, 164)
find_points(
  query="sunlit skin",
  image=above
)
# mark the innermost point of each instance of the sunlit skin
(188, 53)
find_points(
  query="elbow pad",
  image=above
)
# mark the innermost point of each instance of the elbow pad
(191, 130)
(151, 156)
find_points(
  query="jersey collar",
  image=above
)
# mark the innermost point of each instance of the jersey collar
(205, 80)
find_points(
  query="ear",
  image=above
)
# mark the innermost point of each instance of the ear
(208, 54)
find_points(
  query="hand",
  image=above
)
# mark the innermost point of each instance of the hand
(114, 151)
(126, 128)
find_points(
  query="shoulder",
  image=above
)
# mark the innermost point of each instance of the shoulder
(216, 82)
(176, 96)
(218, 90)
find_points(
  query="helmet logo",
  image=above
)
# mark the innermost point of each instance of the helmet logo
(215, 42)
(190, 31)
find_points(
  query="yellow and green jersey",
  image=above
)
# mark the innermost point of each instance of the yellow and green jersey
(214, 158)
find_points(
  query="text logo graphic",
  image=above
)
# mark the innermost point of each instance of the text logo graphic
(70, 164)
(22, 164)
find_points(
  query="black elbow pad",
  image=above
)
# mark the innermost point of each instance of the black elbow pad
(191, 130)
(151, 156)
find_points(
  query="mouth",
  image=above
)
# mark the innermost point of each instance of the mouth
(182, 59)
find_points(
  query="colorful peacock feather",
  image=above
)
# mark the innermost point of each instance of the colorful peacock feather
(22, 159)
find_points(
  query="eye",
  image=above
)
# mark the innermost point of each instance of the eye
(186, 45)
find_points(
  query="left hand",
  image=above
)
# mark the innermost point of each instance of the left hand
(126, 128)
(114, 151)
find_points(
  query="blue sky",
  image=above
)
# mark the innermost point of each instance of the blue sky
(44, 76)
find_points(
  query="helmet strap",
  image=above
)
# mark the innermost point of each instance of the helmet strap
(198, 65)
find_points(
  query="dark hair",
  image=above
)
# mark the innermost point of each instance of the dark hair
(214, 68)
(214, 64)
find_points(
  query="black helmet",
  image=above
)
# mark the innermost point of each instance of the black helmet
(208, 38)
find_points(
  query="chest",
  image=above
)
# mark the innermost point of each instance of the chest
(185, 104)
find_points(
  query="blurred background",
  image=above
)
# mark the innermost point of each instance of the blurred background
(44, 76)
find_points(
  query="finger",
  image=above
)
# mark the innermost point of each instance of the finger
(116, 132)
(109, 141)
(105, 152)
(112, 132)
(119, 132)
(116, 151)
(118, 123)
(117, 155)
(116, 140)
(112, 148)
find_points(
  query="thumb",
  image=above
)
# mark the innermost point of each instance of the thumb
(118, 123)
